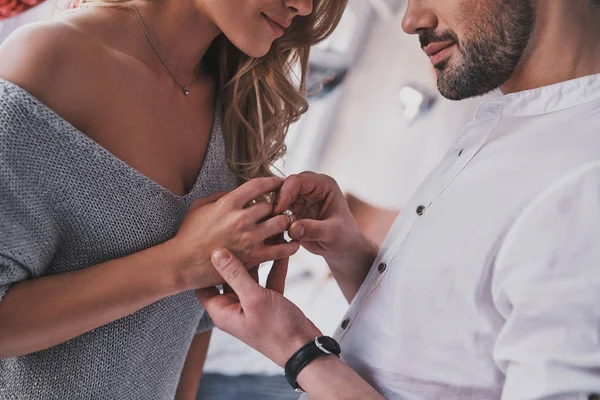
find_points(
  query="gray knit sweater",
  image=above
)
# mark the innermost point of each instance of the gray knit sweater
(66, 203)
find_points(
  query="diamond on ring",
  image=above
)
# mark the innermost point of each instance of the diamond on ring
(288, 213)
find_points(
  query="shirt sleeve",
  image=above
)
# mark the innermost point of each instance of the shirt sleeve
(547, 287)
(28, 234)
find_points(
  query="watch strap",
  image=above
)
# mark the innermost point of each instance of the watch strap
(321, 346)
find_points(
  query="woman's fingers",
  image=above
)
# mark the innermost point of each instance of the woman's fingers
(227, 289)
(259, 211)
(207, 200)
(277, 275)
(276, 252)
(254, 189)
(254, 274)
(212, 301)
(273, 226)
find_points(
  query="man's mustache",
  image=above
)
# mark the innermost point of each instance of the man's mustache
(428, 36)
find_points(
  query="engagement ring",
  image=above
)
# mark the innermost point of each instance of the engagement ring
(288, 213)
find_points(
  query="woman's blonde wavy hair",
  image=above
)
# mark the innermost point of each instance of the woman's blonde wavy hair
(262, 97)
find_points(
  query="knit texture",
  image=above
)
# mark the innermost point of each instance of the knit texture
(66, 204)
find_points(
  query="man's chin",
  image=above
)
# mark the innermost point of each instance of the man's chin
(448, 88)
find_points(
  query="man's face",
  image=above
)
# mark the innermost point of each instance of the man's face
(474, 45)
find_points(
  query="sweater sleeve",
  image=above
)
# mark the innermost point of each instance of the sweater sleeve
(28, 233)
(205, 324)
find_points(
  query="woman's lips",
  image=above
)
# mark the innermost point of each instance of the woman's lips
(277, 29)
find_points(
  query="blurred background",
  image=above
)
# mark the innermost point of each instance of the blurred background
(376, 124)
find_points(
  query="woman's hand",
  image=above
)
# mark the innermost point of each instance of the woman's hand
(223, 220)
(260, 317)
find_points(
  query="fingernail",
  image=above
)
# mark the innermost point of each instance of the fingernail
(301, 230)
(220, 257)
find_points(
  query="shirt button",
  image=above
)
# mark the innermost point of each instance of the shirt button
(420, 210)
(460, 152)
(345, 323)
(382, 267)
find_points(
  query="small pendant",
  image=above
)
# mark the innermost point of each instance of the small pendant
(186, 91)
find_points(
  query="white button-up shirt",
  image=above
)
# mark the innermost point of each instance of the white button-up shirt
(488, 285)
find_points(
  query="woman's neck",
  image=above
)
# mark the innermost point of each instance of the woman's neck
(181, 31)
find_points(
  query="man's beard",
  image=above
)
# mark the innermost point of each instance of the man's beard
(489, 55)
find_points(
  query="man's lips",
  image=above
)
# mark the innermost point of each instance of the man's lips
(438, 52)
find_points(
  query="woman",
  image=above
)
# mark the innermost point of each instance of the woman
(121, 127)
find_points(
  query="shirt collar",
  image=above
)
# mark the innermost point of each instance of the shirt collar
(542, 100)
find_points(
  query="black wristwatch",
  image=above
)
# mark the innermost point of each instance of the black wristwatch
(321, 346)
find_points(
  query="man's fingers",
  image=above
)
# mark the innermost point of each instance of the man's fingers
(254, 189)
(277, 275)
(208, 199)
(314, 188)
(291, 189)
(235, 274)
(312, 231)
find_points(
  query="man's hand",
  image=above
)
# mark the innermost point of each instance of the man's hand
(265, 320)
(260, 317)
(326, 227)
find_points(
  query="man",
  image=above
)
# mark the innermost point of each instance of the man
(488, 285)
(391, 94)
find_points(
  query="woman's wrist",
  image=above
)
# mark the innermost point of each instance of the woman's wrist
(183, 266)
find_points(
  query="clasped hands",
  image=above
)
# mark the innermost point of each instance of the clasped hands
(260, 316)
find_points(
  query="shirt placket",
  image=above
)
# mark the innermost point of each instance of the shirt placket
(460, 155)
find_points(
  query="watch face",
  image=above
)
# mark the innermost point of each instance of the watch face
(328, 345)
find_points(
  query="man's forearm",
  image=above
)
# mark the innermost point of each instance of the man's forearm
(351, 268)
(329, 378)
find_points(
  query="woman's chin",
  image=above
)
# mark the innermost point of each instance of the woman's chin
(257, 52)
(254, 49)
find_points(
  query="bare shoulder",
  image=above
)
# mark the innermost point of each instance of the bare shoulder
(35, 56)
(56, 61)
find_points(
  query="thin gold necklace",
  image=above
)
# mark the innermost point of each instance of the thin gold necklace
(184, 88)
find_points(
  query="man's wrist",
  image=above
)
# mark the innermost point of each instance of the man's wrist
(361, 253)
(318, 347)
(315, 369)
(296, 343)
